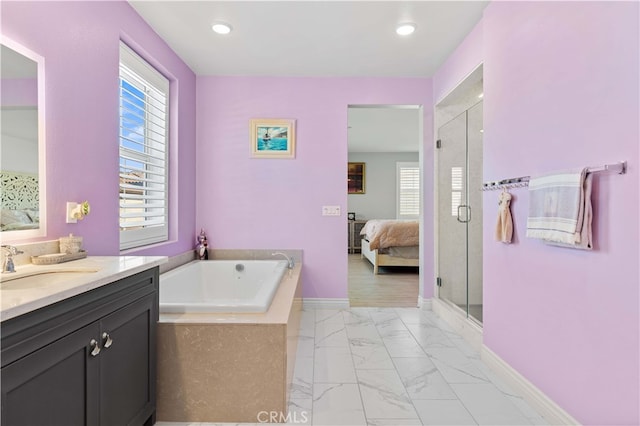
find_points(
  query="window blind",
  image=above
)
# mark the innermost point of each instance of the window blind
(408, 179)
(143, 147)
(457, 174)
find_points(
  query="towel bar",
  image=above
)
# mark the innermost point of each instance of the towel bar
(522, 181)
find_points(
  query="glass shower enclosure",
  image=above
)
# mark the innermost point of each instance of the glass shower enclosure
(459, 161)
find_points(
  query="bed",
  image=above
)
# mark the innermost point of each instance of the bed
(388, 242)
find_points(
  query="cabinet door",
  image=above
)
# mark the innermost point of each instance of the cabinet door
(56, 385)
(127, 364)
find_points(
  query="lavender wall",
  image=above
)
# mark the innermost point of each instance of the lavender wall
(466, 57)
(561, 91)
(80, 44)
(257, 203)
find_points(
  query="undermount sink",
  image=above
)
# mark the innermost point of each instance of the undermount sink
(31, 271)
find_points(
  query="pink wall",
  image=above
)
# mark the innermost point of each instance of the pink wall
(257, 203)
(80, 44)
(561, 91)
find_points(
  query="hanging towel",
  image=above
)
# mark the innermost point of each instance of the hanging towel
(504, 226)
(560, 209)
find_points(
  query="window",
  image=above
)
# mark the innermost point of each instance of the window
(408, 183)
(456, 189)
(144, 135)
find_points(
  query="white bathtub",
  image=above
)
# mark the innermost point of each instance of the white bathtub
(221, 286)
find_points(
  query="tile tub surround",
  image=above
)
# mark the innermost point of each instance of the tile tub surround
(229, 367)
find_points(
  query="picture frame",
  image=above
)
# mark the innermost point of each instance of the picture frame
(273, 138)
(355, 178)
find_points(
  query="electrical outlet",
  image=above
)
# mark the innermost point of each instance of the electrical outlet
(71, 207)
(330, 210)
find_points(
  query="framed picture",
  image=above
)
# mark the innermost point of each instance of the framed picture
(273, 138)
(355, 178)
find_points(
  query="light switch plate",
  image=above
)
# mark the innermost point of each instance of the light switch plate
(330, 210)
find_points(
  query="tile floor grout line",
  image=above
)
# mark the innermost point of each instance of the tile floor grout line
(313, 366)
(355, 370)
(395, 367)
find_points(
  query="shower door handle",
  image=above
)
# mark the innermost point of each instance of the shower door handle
(468, 208)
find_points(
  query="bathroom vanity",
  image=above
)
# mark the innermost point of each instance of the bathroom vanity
(82, 349)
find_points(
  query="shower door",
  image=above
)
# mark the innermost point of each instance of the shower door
(460, 212)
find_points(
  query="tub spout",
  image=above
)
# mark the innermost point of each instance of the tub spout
(290, 262)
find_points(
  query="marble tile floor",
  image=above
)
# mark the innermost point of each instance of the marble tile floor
(393, 366)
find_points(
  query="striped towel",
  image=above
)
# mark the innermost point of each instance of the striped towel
(560, 209)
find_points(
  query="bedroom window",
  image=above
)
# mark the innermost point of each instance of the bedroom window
(408, 190)
(143, 143)
(456, 190)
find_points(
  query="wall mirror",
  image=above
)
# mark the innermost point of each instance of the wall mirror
(22, 149)
(355, 178)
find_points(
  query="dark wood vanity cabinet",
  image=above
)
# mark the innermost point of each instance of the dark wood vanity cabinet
(87, 360)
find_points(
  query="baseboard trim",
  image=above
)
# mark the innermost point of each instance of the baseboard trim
(425, 304)
(468, 329)
(325, 303)
(548, 409)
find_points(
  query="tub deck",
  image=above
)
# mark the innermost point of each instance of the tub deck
(228, 367)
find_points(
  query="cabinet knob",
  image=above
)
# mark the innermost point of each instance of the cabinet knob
(106, 340)
(95, 347)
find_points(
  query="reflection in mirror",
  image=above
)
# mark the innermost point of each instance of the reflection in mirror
(22, 145)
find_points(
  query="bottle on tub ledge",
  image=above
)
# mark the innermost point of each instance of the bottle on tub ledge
(201, 246)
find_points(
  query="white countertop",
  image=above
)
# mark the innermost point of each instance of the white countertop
(42, 285)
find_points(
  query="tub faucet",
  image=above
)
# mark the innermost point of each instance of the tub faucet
(10, 251)
(290, 263)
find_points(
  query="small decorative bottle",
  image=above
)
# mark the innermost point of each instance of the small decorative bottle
(201, 246)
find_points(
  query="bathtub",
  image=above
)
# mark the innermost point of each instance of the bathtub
(212, 286)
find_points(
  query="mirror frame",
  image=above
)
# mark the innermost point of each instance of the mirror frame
(10, 236)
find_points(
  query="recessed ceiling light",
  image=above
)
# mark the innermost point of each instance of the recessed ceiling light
(406, 28)
(481, 95)
(221, 28)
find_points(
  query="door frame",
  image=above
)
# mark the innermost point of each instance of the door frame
(421, 109)
(445, 308)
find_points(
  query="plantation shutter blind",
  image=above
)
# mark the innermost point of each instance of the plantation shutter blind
(408, 178)
(457, 181)
(143, 147)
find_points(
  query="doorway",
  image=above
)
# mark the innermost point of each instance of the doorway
(459, 199)
(382, 141)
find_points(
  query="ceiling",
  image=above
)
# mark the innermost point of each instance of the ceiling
(312, 38)
(321, 39)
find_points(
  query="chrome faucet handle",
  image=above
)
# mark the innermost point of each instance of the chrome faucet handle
(8, 265)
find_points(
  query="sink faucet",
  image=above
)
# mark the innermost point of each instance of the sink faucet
(290, 263)
(10, 251)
